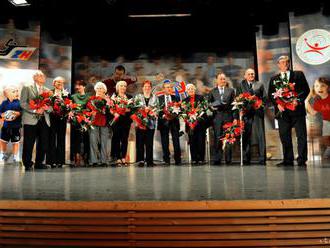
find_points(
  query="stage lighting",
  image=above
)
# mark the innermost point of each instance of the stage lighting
(159, 15)
(19, 3)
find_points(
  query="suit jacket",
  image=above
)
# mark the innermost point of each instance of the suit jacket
(153, 103)
(223, 106)
(161, 121)
(258, 89)
(301, 87)
(29, 92)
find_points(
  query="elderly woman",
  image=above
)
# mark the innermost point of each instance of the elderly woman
(80, 140)
(56, 153)
(198, 134)
(145, 137)
(99, 133)
(120, 127)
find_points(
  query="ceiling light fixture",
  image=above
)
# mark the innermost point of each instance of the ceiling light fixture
(19, 3)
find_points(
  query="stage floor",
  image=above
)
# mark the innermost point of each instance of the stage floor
(173, 183)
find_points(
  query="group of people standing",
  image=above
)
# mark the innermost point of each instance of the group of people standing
(48, 131)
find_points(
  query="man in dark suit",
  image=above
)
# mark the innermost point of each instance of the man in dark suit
(253, 119)
(289, 119)
(221, 98)
(166, 126)
(36, 124)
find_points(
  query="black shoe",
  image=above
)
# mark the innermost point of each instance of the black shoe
(41, 167)
(262, 162)
(28, 168)
(141, 164)
(302, 164)
(150, 164)
(104, 165)
(178, 162)
(202, 162)
(194, 163)
(59, 165)
(228, 162)
(283, 163)
(246, 162)
(167, 161)
(216, 162)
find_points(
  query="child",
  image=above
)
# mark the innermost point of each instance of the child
(10, 111)
(321, 97)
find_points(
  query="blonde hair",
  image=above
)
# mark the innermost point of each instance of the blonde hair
(120, 83)
(190, 86)
(100, 85)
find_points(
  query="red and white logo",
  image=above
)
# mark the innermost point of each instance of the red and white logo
(313, 47)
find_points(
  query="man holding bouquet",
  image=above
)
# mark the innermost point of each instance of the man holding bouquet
(288, 91)
(253, 118)
(36, 121)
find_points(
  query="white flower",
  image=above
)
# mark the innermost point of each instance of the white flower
(65, 92)
(176, 110)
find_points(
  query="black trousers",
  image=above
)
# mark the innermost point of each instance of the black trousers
(57, 132)
(197, 143)
(119, 141)
(260, 133)
(80, 142)
(38, 133)
(286, 123)
(164, 134)
(144, 142)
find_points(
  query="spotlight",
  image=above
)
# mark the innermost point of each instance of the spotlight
(19, 3)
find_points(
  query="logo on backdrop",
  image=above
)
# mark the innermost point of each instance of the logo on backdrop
(313, 47)
(11, 50)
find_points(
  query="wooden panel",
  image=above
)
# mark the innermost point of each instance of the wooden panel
(285, 223)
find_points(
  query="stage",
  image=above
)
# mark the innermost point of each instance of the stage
(166, 183)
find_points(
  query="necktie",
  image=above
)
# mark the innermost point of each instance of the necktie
(285, 77)
(167, 99)
(250, 85)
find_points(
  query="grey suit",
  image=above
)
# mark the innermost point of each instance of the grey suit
(28, 93)
(254, 128)
(223, 114)
(36, 129)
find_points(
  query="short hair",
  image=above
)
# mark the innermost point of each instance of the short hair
(283, 57)
(190, 86)
(147, 82)
(9, 87)
(80, 82)
(120, 68)
(100, 85)
(38, 73)
(59, 79)
(219, 73)
(120, 83)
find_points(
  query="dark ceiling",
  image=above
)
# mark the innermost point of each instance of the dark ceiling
(102, 27)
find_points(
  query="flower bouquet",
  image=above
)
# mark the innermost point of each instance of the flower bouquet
(232, 130)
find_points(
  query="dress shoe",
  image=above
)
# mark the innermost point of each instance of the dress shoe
(194, 162)
(246, 163)
(141, 163)
(283, 163)
(167, 161)
(300, 163)
(202, 162)
(41, 167)
(262, 162)
(216, 162)
(150, 164)
(28, 168)
(178, 162)
(228, 162)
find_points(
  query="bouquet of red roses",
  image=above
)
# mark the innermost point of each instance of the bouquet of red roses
(245, 101)
(62, 105)
(232, 131)
(172, 110)
(82, 119)
(143, 115)
(120, 106)
(285, 95)
(192, 115)
(42, 101)
(98, 104)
